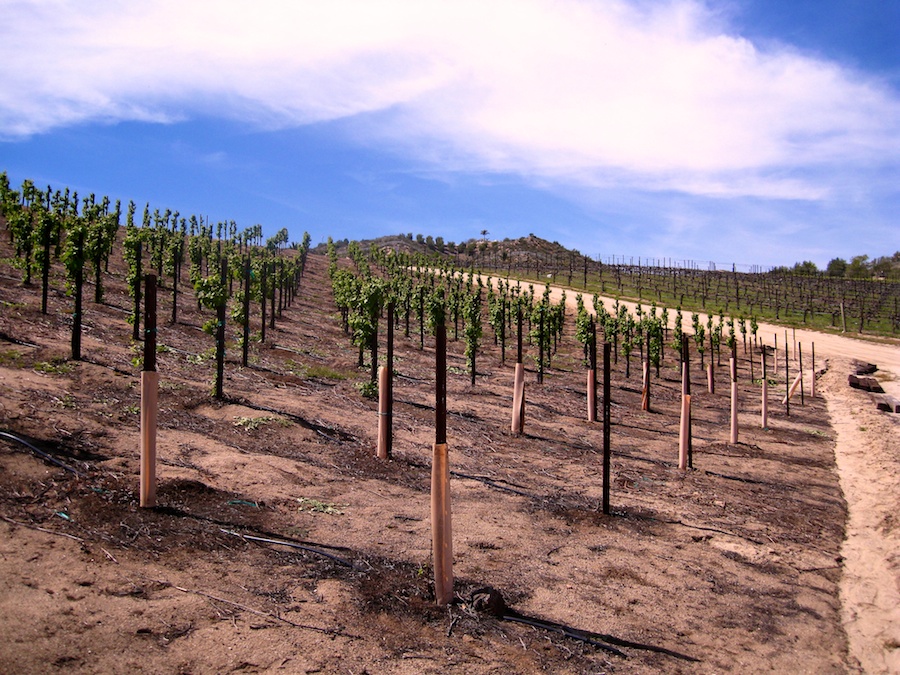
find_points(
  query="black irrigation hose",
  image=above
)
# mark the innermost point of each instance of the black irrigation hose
(175, 511)
(568, 632)
(495, 484)
(595, 638)
(40, 453)
(291, 544)
(16, 341)
(490, 601)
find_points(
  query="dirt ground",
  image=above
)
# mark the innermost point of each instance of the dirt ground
(734, 566)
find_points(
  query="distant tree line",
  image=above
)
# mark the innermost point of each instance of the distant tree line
(859, 267)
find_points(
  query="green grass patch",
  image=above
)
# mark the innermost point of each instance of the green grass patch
(54, 367)
(316, 506)
(325, 373)
(11, 358)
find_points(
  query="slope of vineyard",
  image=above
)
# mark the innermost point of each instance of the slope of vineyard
(734, 563)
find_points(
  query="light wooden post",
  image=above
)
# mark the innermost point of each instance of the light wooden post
(812, 384)
(710, 378)
(441, 530)
(149, 397)
(800, 366)
(793, 388)
(734, 398)
(607, 451)
(645, 387)
(384, 431)
(765, 390)
(787, 379)
(775, 357)
(684, 435)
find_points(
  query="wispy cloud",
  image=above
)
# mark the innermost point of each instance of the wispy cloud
(664, 96)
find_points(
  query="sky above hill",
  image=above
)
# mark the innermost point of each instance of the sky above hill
(756, 132)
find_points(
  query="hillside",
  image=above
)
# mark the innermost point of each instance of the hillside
(695, 571)
(864, 303)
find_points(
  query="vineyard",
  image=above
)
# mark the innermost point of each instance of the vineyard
(812, 300)
(280, 540)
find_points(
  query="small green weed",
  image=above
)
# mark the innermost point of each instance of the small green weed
(368, 389)
(67, 401)
(202, 357)
(11, 358)
(54, 367)
(132, 409)
(316, 506)
(325, 373)
(252, 423)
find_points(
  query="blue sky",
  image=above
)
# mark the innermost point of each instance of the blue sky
(749, 131)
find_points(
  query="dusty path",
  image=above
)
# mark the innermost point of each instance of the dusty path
(867, 455)
(868, 464)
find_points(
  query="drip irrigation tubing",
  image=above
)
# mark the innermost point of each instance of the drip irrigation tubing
(601, 640)
(174, 511)
(16, 341)
(494, 484)
(40, 453)
(291, 544)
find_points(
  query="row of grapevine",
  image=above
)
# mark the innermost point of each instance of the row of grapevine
(48, 225)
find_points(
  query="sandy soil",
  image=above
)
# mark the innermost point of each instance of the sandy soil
(736, 565)
(867, 452)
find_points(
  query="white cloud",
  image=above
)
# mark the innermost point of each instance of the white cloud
(649, 94)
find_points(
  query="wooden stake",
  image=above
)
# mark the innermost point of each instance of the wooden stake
(607, 452)
(149, 397)
(800, 366)
(645, 389)
(389, 358)
(751, 364)
(775, 357)
(812, 384)
(765, 390)
(592, 375)
(384, 431)
(710, 379)
(793, 388)
(686, 391)
(149, 407)
(442, 539)
(734, 399)
(787, 379)
(684, 432)
(518, 410)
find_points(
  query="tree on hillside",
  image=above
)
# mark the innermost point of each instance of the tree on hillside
(806, 267)
(836, 267)
(858, 267)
